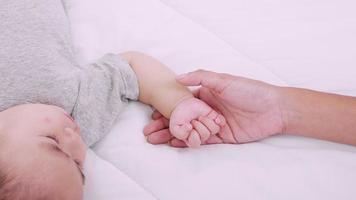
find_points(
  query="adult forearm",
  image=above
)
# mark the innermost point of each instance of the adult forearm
(319, 115)
(157, 83)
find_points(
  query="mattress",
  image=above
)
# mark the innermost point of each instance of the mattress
(296, 43)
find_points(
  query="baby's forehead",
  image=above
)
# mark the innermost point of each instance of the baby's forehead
(33, 186)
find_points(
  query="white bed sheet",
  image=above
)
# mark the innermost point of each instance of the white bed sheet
(276, 168)
(306, 43)
(105, 181)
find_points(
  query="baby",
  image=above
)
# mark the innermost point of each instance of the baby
(52, 109)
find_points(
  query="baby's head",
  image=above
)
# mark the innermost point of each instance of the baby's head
(41, 154)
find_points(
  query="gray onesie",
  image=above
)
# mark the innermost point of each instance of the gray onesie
(37, 65)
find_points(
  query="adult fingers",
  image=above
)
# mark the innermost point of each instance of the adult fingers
(208, 79)
(177, 143)
(214, 139)
(159, 137)
(181, 144)
(156, 115)
(227, 136)
(155, 125)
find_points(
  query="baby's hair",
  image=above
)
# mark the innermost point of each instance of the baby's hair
(16, 188)
(5, 191)
(5, 178)
(13, 186)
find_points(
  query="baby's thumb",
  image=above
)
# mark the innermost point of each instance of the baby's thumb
(207, 79)
(180, 131)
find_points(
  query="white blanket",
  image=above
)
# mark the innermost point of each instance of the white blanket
(240, 37)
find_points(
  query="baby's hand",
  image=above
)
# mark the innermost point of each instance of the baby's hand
(192, 121)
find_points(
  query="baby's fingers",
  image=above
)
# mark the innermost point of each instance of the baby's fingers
(210, 124)
(214, 139)
(194, 139)
(202, 130)
(181, 131)
(220, 120)
(217, 118)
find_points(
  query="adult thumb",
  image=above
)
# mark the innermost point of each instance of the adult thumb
(208, 79)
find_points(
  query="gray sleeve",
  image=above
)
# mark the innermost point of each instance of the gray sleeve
(37, 65)
(105, 88)
(37, 62)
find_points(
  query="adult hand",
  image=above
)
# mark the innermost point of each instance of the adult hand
(251, 108)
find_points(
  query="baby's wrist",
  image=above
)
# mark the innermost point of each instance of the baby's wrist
(166, 101)
(181, 100)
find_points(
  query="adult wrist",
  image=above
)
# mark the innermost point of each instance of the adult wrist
(289, 108)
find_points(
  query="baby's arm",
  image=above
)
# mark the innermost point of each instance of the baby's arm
(157, 83)
(191, 120)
